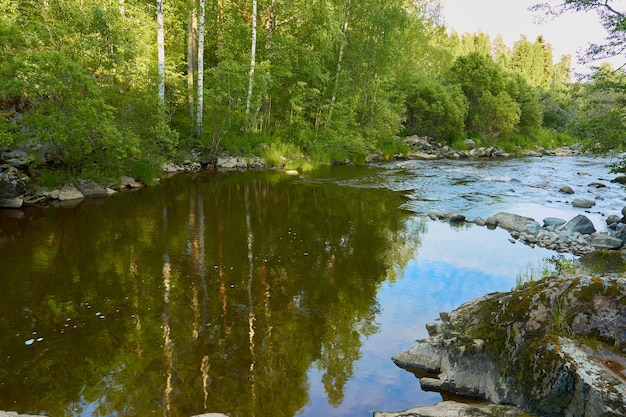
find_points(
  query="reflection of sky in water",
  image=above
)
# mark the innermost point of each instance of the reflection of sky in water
(454, 265)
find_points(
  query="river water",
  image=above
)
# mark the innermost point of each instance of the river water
(259, 294)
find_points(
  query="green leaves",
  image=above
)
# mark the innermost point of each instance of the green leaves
(500, 102)
(435, 110)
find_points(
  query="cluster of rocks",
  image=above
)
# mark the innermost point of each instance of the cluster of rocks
(18, 190)
(428, 148)
(15, 190)
(555, 348)
(220, 163)
(577, 236)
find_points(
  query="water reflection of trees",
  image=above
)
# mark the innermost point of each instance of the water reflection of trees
(216, 294)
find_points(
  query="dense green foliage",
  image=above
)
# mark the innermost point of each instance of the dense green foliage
(334, 79)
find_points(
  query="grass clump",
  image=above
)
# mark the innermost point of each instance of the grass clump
(146, 170)
(546, 267)
(390, 147)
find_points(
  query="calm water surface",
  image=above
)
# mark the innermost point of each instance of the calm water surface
(258, 294)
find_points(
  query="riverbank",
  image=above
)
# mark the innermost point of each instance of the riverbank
(19, 187)
(555, 347)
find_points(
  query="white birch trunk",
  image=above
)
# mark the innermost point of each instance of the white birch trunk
(266, 103)
(200, 71)
(339, 62)
(252, 58)
(161, 54)
(122, 8)
(192, 31)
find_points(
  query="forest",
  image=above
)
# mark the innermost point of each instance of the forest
(103, 87)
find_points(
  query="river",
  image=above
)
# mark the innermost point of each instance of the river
(259, 294)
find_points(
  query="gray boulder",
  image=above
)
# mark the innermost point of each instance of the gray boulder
(130, 182)
(612, 219)
(455, 217)
(91, 189)
(553, 221)
(70, 192)
(583, 203)
(579, 224)
(511, 222)
(18, 159)
(604, 241)
(566, 190)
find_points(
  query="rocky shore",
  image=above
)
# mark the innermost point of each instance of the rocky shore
(17, 188)
(553, 348)
(577, 236)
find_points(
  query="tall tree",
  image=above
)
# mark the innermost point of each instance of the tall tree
(342, 45)
(192, 57)
(161, 53)
(252, 57)
(200, 71)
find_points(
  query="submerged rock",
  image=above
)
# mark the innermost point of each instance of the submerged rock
(583, 203)
(556, 348)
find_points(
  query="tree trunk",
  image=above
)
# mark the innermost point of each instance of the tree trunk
(220, 20)
(192, 58)
(339, 62)
(266, 104)
(252, 58)
(161, 54)
(200, 72)
(122, 8)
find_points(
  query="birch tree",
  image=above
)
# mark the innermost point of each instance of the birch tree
(161, 53)
(252, 57)
(192, 57)
(339, 61)
(200, 108)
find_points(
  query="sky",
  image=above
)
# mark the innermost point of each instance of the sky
(568, 34)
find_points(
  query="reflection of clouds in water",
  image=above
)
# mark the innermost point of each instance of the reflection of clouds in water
(477, 248)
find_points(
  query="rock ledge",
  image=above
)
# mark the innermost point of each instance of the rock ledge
(555, 348)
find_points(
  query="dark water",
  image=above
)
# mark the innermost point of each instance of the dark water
(254, 294)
